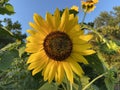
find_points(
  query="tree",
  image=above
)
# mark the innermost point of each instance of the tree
(6, 8)
(9, 31)
(108, 25)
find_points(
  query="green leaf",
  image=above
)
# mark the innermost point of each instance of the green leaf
(71, 11)
(5, 37)
(103, 60)
(84, 81)
(6, 31)
(10, 46)
(9, 7)
(94, 87)
(110, 80)
(21, 51)
(6, 58)
(1, 1)
(49, 86)
(6, 0)
(75, 86)
(96, 64)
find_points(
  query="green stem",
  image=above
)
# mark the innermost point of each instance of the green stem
(93, 81)
(67, 83)
(70, 86)
(63, 86)
(83, 18)
(101, 37)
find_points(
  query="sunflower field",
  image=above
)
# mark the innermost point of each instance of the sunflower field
(59, 52)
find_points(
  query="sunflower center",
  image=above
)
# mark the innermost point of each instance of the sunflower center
(57, 45)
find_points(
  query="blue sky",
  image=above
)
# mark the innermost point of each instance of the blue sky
(26, 8)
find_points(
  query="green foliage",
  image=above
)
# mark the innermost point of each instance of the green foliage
(12, 31)
(6, 58)
(5, 37)
(96, 67)
(110, 79)
(9, 31)
(13, 69)
(96, 64)
(21, 50)
(6, 8)
(108, 26)
(46, 86)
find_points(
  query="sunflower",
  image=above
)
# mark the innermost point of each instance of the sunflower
(95, 1)
(76, 8)
(89, 5)
(57, 45)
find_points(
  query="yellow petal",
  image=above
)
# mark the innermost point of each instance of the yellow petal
(86, 37)
(42, 64)
(76, 8)
(37, 70)
(34, 40)
(51, 20)
(71, 16)
(77, 41)
(71, 24)
(33, 48)
(87, 52)
(38, 29)
(60, 74)
(90, 9)
(79, 58)
(95, 1)
(41, 23)
(76, 67)
(75, 31)
(34, 57)
(64, 20)
(80, 48)
(52, 71)
(39, 36)
(31, 32)
(48, 69)
(38, 61)
(56, 77)
(38, 19)
(68, 71)
(34, 45)
(57, 18)
(35, 64)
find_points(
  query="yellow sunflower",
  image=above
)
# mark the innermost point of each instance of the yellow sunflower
(76, 8)
(89, 5)
(95, 1)
(57, 45)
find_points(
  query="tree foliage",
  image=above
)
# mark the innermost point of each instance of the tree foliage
(12, 31)
(6, 7)
(108, 25)
(9, 31)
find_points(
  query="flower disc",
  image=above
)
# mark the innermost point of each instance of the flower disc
(58, 45)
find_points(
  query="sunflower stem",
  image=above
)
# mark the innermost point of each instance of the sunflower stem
(67, 84)
(63, 86)
(70, 86)
(84, 17)
(94, 80)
